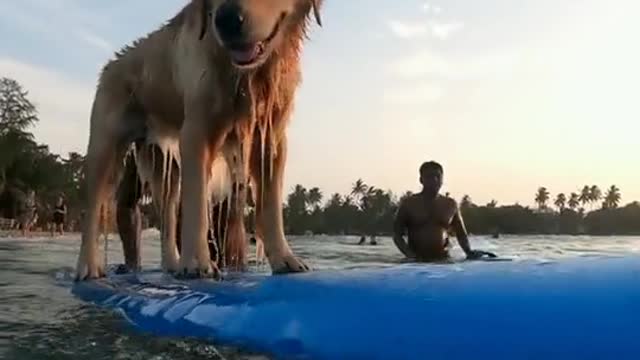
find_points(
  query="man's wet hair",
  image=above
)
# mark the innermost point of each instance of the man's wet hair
(430, 165)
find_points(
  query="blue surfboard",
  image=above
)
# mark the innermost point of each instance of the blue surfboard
(581, 308)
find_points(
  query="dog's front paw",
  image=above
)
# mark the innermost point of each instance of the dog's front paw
(171, 264)
(89, 269)
(122, 269)
(288, 264)
(204, 270)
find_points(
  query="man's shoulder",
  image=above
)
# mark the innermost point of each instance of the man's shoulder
(411, 199)
(448, 201)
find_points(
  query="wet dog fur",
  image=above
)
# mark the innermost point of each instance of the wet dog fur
(219, 67)
(224, 218)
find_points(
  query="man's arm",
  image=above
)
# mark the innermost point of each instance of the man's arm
(399, 226)
(461, 232)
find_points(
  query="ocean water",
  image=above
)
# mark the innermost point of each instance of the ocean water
(40, 319)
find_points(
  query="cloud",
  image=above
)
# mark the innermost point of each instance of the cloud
(60, 26)
(63, 104)
(426, 76)
(418, 94)
(428, 26)
(94, 40)
(424, 62)
(436, 29)
(443, 30)
(429, 63)
(407, 30)
(431, 9)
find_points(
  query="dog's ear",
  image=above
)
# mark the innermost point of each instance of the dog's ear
(204, 11)
(315, 5)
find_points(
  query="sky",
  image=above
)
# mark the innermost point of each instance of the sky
(508, 95)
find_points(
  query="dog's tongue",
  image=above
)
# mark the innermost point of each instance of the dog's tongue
(245, 55)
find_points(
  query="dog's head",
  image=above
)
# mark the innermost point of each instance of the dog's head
(250, 30)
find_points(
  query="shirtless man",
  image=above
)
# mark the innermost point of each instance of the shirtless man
(427, 217)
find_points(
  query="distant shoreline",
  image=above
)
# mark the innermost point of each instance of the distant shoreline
(33, 234)
(5, 234)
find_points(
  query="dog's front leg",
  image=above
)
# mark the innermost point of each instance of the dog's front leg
(197, 145)
(268, 180)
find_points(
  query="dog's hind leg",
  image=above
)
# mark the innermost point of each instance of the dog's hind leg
(108, 142)
(235, 240)
(235, 237)
(268, 181)
(170, 254)
(159, 166)
(128, 215)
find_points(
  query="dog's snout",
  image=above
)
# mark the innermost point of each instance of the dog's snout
(230, 20)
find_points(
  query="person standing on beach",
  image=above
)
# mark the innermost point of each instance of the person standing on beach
(28, 212)
(59, 216)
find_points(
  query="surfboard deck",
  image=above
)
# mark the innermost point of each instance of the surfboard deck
(583, 308)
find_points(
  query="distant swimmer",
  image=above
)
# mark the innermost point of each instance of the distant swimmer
(427, 217)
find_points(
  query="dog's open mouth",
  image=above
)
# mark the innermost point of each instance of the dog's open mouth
(246, 55)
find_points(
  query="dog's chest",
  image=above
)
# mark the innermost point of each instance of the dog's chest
(261, 95)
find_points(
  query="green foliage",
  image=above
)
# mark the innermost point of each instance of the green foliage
(612, 198)
(376, 210)
(542, 196)
(560, 202)
(27, 165)
(17, 113)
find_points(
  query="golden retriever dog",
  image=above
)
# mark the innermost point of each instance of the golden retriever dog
(218, 70)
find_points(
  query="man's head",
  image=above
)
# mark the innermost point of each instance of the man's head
(431, 176)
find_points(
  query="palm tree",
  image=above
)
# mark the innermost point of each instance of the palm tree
(348, 201)
(594, 194)
(359, 190)
(314, 197)
(335, 200)
(466, 202)
(542, 196)
(367, 197)
(405, 196)
(612, 198)
(561, 201)
(574, 201)
(297, 199)
(585, 196)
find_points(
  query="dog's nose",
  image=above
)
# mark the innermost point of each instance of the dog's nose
(230, 20)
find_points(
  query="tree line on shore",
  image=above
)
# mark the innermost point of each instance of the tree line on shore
(365, 210)
(27, 165)
(369, 210)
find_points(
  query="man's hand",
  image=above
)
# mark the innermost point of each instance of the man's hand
(399, 226)
(477, 254)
